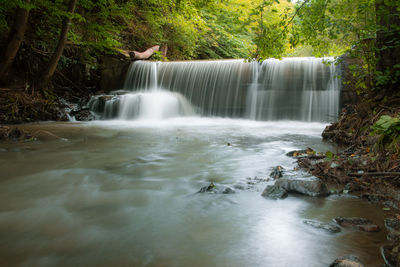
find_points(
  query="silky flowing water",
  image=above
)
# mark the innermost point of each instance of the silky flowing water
(123, 193)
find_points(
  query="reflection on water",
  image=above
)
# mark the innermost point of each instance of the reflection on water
(123, 194)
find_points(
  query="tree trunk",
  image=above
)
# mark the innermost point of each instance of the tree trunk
(14, 40)
(144, 55)
(164, 50)
(388, 40)
(51, 67)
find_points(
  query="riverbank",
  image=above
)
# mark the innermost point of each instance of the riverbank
(367, 165)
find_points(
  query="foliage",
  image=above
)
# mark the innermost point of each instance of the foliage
(388, 130)
(7, 8)
(367, 29)
(190, 28)
(203, 29)
(158, 56)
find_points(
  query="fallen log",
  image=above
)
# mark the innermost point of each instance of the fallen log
(374, 174)
(144, 55)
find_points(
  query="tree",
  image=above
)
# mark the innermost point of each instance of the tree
(388, 45)
(15, 38)
(51, 67)
(367, 29)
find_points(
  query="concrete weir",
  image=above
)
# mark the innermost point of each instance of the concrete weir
(305, 89)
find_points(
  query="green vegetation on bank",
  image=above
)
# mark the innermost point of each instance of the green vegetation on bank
(43, 41)
(205, 29)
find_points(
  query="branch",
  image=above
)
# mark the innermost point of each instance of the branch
(374, 174)
(295, 14)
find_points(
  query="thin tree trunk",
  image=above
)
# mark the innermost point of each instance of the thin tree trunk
(14, 40)
(387, 39)
(51, 67)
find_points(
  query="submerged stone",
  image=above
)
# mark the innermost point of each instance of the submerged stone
(228, 190)
(306, 186)
(301, 153)
(391, 254)
(361, 224)
(209, 188)
(83, 115)
(4, 132)
(347, 261)
(274, 192)
(330, 227)
(393, 225)
(277, 172)
(220, 189)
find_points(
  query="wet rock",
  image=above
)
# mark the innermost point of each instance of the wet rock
(368, 227)
(301, 153)
(4, 132)
(240, 186)
(393, 236)
(373, 198)
(220, 189)
(15, 134)
(361, 224)
(228, 190)
(391, 255)
(211, 188)
(330, 227)
(274, 192)
(306, 186)
(351, 221)
(83, 115)
(393, 225)
(390, 204)
(277, 172)
(97, 103)
(351, 187)
(347, 261)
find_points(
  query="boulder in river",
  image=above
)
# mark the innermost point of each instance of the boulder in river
(277, 172)
(347, 261)
(4, 132)
(307, 186)
(301, 153)
(361, 224)
(391, 254)
(392, 224)
(211, 188)
(330, 227)
(83, 114)
(228, 190)
(220, 189)
(274, 192)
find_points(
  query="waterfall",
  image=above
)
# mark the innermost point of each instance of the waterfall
(303, 89)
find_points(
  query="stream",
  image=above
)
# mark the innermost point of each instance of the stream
(124, 193)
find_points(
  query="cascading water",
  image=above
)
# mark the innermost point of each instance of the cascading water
(303, 89)
(152, 103)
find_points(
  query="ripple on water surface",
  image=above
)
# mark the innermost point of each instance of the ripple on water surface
(123, 193)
